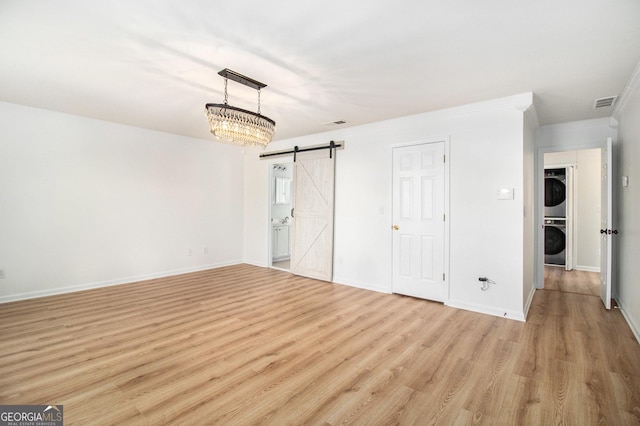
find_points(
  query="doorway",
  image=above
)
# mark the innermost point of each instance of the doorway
(571, 214)
(281, 187)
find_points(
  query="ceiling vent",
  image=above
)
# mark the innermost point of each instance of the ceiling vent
(604, 102)
(335, 123)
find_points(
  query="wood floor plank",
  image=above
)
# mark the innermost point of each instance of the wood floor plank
(247, 345)
(490, 372)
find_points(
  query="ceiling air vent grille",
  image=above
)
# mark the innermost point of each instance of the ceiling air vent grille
(335, 123)
(604, 102)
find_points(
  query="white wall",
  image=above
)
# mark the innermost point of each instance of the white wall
(86, 203)
(575, 135)
(586, 203)
(486, 235)
(628, 240)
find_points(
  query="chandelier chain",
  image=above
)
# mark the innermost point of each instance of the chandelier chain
(226, 96)
(258, 101)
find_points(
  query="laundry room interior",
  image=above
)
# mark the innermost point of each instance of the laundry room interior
(572, 215)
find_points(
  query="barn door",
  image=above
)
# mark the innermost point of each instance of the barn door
(312, 228)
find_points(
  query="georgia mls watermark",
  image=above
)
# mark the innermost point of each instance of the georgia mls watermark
(31, 415)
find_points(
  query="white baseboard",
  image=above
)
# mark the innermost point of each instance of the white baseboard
(258, 264)
(514, 315)
(519, 316)
(364, 286)
(527, 304)
(108, 283)
(633, 326)
(587, 268)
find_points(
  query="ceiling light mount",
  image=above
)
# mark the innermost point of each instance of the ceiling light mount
(239, 78)
(236, 124)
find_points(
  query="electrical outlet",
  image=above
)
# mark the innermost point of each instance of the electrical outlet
(2, 274)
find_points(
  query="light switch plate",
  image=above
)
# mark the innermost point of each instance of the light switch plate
(505, 194)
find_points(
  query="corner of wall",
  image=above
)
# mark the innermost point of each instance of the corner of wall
(633, 84)
(529, 300)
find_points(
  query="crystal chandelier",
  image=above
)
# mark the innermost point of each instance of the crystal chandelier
(236, 124)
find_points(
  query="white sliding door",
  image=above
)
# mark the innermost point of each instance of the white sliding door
(312, 229)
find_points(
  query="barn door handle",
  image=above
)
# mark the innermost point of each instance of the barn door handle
(292, 213)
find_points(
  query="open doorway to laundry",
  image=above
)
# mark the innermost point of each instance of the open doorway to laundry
(572, 209)
(280, 214)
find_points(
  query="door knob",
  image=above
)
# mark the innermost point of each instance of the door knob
(396, 227)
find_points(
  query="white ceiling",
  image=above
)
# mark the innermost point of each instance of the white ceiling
(154, 63)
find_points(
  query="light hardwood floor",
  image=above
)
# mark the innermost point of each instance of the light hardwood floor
(557, 278)
(246, 345)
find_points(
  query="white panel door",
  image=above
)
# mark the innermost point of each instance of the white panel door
(606, 223)
(419, 221)
(312, 226)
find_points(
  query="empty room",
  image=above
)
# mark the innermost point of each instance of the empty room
(319, 213)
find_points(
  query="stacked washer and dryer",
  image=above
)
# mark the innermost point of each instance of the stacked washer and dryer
(555, 216)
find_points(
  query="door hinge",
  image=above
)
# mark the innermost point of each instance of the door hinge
(444, 158)
(444, 217)
(443, 277)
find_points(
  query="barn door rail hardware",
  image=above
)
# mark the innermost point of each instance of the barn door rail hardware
(331, 147)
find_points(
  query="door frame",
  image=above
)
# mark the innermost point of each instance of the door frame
(447, 222)
(539, 203)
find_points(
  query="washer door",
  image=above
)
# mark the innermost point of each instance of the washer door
(555, 192)
(554, 240)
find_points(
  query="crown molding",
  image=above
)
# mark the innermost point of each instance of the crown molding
(629, 90)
